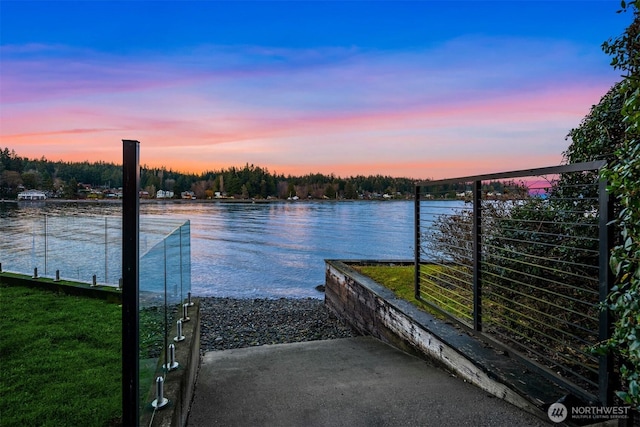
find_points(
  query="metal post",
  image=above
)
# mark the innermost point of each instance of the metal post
(45, 244)
(189, 302)
(166, 306)
(160, 401)
(106, 255)
(171, 364)
(180, 257)
(179, 336)
(606, 279)
(33, 246)
(477, 255)
(416, 243)
(130, 279)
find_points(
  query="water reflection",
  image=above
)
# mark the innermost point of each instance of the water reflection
(245, 250)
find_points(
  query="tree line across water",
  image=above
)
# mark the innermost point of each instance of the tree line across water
(72, 180)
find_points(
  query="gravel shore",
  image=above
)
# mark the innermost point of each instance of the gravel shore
(235, 323)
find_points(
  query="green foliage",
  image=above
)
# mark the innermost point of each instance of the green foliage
(10, 178)
(62, 178)
(330, 192)
(623, 175)
(600, 133)
(611, 132)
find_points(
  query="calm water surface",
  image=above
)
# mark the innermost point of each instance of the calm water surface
(278, 249)
(271, 250)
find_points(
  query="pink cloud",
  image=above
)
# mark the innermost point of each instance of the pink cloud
(461, 106)
(444, 131)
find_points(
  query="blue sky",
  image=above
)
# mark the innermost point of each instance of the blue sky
(421, 89)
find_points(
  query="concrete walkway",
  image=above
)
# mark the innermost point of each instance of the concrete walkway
(344, 382)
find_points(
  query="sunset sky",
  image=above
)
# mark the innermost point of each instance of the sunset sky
(421, 89)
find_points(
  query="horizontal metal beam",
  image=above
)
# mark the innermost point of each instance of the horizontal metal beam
(573, 167)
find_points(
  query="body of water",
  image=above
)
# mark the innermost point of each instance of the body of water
(252, 250)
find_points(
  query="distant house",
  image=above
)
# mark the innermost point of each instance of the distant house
(110, 193)
(162, 194)
(32, 195)
(188, 195)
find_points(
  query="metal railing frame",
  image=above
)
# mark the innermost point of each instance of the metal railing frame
(131, 284)
(605, 237)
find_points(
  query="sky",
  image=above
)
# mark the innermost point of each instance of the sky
(420, 89)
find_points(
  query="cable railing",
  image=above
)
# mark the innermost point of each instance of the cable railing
(521, 259)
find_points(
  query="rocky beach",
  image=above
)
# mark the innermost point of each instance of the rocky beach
(228, 323)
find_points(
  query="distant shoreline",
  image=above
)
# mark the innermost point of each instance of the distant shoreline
(185, 201)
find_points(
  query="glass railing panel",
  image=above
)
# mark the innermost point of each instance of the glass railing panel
(185, 258)
(165, 280)
(79, 247)
(22, 245)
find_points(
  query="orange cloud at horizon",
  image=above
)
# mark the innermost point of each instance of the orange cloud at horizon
(454, 139)
(459, 104)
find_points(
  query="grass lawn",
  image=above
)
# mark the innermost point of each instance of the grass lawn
(400, 280)
(61, 359)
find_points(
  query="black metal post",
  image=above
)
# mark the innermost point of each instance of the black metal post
(45, 245)
(477, 255)
(181, 290)
(106, 252)
(416, 243)
(605, 368)
(130, 282)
